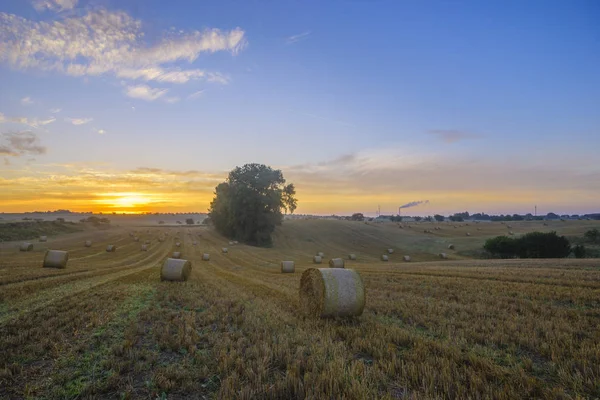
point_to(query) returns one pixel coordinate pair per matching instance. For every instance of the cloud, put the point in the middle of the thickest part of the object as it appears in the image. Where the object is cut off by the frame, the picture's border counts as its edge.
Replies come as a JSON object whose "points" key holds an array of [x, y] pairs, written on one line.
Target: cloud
{"points": [[34, 123], [79, 121], [145, 92], [172, 100], [195, 95], [26, 101], [101, 131], [20, 143], [296, 38], [451, 136], [55, 110], [54, 5], [103, 42]]}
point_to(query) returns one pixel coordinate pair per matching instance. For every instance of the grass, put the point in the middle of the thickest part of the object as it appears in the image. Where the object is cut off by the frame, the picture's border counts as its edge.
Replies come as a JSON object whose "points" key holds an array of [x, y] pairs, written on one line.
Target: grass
{"points": [[32, 230], [106, 327]]}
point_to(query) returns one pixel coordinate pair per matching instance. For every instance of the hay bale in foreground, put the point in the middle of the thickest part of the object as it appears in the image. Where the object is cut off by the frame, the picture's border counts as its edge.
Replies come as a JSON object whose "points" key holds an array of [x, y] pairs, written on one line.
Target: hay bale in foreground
{"points": [[384, 257], [336, 263], [176, 254], [224, 250], [320, 254], [451, 246], [205, 257], [43, 238], [56, 259], [88, 243], [287, 267], [390, 251], [111, 248], [443, 255], [317, 259], [326, 292], [175, 270], [26, 246], [351, 256], [406, 258]]}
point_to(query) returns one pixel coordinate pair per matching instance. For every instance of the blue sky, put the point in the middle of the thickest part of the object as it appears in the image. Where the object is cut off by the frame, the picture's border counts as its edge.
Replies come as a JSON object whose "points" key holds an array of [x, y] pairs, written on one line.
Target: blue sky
{"points": [[360, 103]]}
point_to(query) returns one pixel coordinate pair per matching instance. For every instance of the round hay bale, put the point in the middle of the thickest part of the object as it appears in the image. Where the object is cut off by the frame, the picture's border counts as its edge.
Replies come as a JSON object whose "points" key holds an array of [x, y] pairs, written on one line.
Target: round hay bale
{"points": [[336, 263], [88, 243], [231, 242], [147, 242], [43, 238], [406, 258], [468, 234], [384, 257], [161, 239], [320, 254], [443, 255], [111, 248], [26, 246], [326, 292], [194, 243], [176, 254], [390, 251], [178, 244], [511, 233], [287, 267], [224, 250], [451, 246], [175, 270], [56, 259], [351, 256], [144, 247], [317, 259], [205, 257], [136, 239]]}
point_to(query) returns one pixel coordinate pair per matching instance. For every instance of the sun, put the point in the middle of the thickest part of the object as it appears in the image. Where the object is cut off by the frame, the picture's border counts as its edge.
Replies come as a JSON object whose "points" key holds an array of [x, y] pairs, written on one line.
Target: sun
{"points": [[129, 201]]}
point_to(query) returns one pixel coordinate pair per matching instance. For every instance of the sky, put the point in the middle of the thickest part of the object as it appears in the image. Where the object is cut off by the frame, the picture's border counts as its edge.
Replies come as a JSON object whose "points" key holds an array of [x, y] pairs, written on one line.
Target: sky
{"points": [[145, 105]]}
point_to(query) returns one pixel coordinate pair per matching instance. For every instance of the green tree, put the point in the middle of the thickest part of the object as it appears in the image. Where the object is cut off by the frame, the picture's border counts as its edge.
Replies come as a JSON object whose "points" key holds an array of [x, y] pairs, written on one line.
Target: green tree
{"points": [[592, 235], [248, 206], [543, 245], [438, 217], [502, 247], [579, 251], [189, 221], [357, 217]]}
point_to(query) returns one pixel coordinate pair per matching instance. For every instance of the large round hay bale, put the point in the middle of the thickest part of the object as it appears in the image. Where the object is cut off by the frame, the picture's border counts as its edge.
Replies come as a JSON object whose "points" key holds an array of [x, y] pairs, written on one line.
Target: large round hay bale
{"points": [[320, 254], [161, 239], [205, 257], [176, 254], [351, 256], [468, 234], [390, 251], [144, 247], [111, 248], [43, 238], [384, 257], [26, 246], [136, 239], [451, 246], [175, 270], [178, 244], [56, 259], [317, 259], [287, 267], [88, 243], [406, 258], [443, 255], [224, 250], [336, 263], [327, 292]]}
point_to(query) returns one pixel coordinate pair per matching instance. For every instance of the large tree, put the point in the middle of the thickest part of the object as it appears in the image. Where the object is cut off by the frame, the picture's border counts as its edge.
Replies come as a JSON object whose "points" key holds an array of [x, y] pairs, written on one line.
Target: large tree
{"points": [[249, 205]]}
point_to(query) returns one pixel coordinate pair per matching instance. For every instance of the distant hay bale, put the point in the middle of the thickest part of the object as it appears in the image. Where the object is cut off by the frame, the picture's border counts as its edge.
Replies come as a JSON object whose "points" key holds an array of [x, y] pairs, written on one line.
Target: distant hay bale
{"points": [[175, 270], [336, 263], [451, 246], [468, 234], [326, 292], [390, 251], [320, 254], [88, 243], [384, 257], [406, 258], [26, 246], [351, 256], [176, 254], [287, 267], [178, 244], [231, 243], [136, 239], [443, 255], [56, 259], [508, 226], [147, 242], [144, 247], [194, 243], [43, 238], [224, 250], [235, 242], [317, 259], [511, 233], [205, 257], [131, 234], [111, 248]]}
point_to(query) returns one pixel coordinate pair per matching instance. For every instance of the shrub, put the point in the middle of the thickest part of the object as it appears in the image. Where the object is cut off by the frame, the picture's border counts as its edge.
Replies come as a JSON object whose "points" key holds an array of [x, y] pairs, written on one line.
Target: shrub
{"points": [[579, 251], [531, 245]]}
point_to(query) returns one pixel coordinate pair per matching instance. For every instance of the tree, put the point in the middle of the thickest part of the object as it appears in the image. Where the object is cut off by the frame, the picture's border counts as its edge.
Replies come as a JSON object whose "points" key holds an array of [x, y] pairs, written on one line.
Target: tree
{"points": [[248, 206], [189, 221], [438, 217], [501, 246], [579, 251], [531, 245], [592, 235], [357, 217]]}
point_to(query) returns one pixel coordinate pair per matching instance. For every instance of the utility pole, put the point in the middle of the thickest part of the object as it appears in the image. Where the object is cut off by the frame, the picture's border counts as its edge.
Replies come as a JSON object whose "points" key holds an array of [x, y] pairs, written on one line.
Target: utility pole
{"points": [[535, 212]]}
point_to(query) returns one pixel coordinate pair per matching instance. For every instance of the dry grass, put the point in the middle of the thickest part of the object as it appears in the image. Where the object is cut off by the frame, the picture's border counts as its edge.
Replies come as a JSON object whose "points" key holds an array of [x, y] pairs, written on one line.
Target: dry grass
{"points": [[107, 327]]}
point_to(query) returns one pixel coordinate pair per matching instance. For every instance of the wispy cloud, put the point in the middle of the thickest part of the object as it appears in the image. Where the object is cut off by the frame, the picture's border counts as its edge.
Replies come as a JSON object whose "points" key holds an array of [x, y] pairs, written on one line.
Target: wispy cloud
{"points": [[145, 92], [195, 95], [452, 136], [55, 110], [16, 144], [54, 5], [79, 121], [296, 38], [101, 131], [172, 100], [25, 100], [33, 122]]}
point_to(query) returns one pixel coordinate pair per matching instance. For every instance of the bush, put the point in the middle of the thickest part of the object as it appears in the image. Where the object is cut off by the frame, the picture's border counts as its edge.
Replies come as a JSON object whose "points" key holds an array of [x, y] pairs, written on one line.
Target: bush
{"points": [[531, 245], [579, 251], [502, 247], [592, 235]]}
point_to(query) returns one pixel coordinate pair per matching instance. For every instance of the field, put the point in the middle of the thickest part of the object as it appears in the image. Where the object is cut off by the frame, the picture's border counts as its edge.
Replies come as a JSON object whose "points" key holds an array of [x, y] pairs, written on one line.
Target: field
{"points": [[107, 327]]}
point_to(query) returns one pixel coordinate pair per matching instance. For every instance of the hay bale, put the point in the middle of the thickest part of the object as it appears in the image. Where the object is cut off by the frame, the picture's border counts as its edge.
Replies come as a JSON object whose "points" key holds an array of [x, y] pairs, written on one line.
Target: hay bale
{"points": [[178, 244], [406, 258], [205, 257], [508, 226], [194, 243], [231, 243], [511, 233], [56, 259], [451, 247], [384, 257], [336, 263], [111, 248], [88, 243], [390, 251], [317, 259], [320, 254], [144, 247], [468, 234], [351, 256], [147, 242], [175, 270], [326, 292], [136, 239], [443, 255], [26, 246], [287, 267], [43, 238], [176, 254], [224, 250], [161, 239]]}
